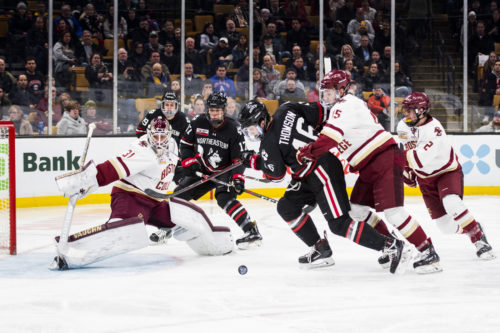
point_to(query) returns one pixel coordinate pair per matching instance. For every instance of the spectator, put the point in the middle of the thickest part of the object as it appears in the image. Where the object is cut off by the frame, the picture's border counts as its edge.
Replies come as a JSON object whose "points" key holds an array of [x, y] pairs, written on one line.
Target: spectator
{"points": [[242, 78], [18, 27], [402, 82], [347, 53], [175, 86], [35, 78], [64, 57], [4, 105], [295, 9], [372, 77], [368, 12], [259, 84], [231, 33], [479, 44], [86, 48], [492, 85], [208, 39], [268, 47], [103, 126], [21, 126], [493, 26], [207, 89], [240, 51], [347, 12], [257, 57], [142, 33], [297, 53], [71, 21], [157, 81], [375, 57], [278, 39], [132, 24], [198, 107], [147, 69], [42, 109], [297, 35], [232, 108], [194, 57], [277, 14], [379, 105], [492, 126], [144, 10], [222, 54], [167, 33], [89, 20], [364, 51], [138, 57], [98, 75], [20, 95], [71, 123], [352, 70], [271, 76], [313, 95], [222, 83], [336, 38], [290, 74], [354, 31], [108, 25], [362, 31], [170, 58], [240, 14], [7, 80], [192, 82], [37, 43], [292, 93], [153, 45]]}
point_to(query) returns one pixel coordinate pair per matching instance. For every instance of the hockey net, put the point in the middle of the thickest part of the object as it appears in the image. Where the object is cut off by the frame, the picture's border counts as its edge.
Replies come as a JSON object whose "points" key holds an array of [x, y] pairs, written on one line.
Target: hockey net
{"points": [[7, 189]]}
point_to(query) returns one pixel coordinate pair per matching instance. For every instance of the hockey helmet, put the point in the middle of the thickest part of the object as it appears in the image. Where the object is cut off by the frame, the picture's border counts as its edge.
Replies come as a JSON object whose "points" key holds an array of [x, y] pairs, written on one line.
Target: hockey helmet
{"points": [[159, 132], [334, 85], [251, 117], [216, 100], [418, 102], [169, 104]]}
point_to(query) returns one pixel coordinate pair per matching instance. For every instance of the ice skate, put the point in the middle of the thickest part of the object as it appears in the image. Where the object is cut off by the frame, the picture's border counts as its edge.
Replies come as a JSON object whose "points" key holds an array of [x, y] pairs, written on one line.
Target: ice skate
{"points": [[58, 264], [484, 249], [397, 255], [427, 261], [251, 238], [161, 236], [319, 256]]}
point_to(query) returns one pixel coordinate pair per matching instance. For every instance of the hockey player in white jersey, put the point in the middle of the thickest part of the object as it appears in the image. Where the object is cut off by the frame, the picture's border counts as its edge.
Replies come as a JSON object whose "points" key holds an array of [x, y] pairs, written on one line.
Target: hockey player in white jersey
{"points": [[433, 164], [149, 163], [372, 151]]}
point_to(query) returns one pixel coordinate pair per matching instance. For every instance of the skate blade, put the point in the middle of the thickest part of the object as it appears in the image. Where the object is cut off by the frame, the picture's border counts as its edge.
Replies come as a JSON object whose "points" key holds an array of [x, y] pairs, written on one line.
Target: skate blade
{"points": [[487, 256], [429, 269], [318, 264], [249, 245], [405, 261]]}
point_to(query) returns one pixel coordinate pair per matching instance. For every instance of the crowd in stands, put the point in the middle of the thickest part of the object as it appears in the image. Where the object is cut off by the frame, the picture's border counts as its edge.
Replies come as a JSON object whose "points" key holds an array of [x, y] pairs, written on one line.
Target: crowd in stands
{"points": [[285, 54]]}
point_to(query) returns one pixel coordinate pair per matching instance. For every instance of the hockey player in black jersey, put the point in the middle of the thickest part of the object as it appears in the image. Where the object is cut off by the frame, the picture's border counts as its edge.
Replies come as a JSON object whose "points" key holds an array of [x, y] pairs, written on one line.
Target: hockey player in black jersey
{"points": [[322, 182], [211, 143]]}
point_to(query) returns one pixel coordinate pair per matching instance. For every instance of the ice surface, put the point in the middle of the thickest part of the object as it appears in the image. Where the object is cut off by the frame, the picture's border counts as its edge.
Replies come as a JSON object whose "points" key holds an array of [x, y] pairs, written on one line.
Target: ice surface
{"points": [[170, 289]]}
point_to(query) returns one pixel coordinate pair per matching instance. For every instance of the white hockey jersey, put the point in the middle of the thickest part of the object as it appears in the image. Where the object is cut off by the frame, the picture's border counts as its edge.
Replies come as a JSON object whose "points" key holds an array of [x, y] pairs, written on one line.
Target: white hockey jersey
{"points": [[428, 150], [139, 168], [357, 132]]}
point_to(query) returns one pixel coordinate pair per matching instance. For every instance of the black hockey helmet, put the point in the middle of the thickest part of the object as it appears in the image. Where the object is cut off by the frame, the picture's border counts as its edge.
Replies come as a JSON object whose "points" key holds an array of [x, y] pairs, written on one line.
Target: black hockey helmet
{"points": [[216, 100], [251, 117], [172, 97]]}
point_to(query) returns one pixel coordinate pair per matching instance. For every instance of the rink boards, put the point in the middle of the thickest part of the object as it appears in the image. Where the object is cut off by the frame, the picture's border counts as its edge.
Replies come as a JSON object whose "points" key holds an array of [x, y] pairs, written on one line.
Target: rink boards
{"points": [[39, 160]]}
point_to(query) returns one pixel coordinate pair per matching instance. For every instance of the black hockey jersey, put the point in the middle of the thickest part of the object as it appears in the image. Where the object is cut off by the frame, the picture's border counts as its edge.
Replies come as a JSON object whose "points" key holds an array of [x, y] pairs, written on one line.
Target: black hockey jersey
{"points": [[215, 148], [313, 113], [179, 124], [290, 128]]}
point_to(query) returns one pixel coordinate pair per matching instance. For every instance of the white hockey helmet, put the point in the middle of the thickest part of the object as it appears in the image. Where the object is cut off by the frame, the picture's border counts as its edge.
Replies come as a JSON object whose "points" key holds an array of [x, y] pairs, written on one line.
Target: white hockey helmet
{"points": [[159, 132]]}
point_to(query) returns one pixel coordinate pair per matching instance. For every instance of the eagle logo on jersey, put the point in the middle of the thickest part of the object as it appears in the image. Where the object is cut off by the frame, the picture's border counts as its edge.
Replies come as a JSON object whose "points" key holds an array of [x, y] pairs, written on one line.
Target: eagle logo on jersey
{"points": [[214, 159], [438, 131]]}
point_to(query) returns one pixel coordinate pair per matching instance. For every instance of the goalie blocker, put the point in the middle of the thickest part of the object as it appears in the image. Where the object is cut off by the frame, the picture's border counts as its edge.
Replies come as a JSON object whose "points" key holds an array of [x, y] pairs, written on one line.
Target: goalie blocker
{"points": [[192, 225]]}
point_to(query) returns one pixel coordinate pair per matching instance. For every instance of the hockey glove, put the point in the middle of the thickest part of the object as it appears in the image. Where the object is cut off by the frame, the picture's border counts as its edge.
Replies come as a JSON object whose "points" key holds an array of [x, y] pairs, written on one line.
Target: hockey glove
{"points": [[409, 177], [304, 154], [80, 182], [249, 158], [239, 185], [194, 170]]}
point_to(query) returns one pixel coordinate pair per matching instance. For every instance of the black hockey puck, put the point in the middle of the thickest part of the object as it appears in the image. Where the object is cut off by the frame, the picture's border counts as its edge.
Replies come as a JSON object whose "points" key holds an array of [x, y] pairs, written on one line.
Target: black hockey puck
{"points": [[242, 269]]}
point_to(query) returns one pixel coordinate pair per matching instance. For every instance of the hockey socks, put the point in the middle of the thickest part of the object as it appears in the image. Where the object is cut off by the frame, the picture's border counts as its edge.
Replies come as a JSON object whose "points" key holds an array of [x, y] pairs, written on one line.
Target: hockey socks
{"points": [[303, 226], [378, 224], [359, 232]]}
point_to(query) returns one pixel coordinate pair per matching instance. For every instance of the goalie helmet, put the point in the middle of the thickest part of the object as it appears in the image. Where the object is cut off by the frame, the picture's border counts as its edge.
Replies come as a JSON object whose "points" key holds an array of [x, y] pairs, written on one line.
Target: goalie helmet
{"points": [[169, 104], [216, 100], [334, 85], [418, 102], [251, 117], [159, 133]]}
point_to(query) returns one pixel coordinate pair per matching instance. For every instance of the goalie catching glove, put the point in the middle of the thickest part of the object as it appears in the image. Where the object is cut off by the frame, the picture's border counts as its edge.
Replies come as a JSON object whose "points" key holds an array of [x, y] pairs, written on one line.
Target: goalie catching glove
{"points": [[80, 182]]}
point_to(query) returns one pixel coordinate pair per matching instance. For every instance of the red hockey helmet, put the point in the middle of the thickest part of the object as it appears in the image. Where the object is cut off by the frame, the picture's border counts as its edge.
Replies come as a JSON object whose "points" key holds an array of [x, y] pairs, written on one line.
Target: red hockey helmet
{"points": [[418, 102], [333, 86]]}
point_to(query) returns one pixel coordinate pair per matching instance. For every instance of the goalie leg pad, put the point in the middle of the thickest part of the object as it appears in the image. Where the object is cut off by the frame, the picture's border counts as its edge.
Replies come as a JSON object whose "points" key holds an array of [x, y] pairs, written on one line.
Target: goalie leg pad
{"points": [[104, 241], [195, 228]]}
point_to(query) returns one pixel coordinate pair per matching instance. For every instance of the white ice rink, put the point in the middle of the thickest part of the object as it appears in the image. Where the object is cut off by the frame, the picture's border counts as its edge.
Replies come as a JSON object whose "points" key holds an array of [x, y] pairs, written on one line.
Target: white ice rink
{"points": [[170, 289]]}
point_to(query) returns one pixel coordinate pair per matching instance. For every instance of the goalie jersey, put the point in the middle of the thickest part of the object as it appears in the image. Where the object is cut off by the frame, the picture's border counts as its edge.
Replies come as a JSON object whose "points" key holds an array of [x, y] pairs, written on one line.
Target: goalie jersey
{"points": [[139, 168], [356, 131], [428, 151]]}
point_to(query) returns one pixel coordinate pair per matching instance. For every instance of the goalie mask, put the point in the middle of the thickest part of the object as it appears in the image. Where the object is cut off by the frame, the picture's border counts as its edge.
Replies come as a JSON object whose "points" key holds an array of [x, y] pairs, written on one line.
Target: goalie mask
{"points": [[169, 104], [251, 117], [417, 102], [216, 107], [159, 133], [334, 86]]}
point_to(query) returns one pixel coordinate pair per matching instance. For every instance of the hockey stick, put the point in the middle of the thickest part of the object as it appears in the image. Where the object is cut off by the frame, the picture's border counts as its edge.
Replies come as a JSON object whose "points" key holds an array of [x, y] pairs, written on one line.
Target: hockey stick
{"points": [[158, 195], [218, 181], [68, 217], [262, 180]]}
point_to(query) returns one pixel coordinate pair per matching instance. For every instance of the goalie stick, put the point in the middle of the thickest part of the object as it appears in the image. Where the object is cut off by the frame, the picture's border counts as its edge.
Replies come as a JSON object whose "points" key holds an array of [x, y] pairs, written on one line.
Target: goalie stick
{"points": [[68, 217], [158, 195]]}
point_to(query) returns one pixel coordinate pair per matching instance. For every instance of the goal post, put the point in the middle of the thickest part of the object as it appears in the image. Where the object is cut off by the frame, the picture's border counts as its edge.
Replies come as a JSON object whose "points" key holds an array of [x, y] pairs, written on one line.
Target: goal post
{"points": [[7, 188]]}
